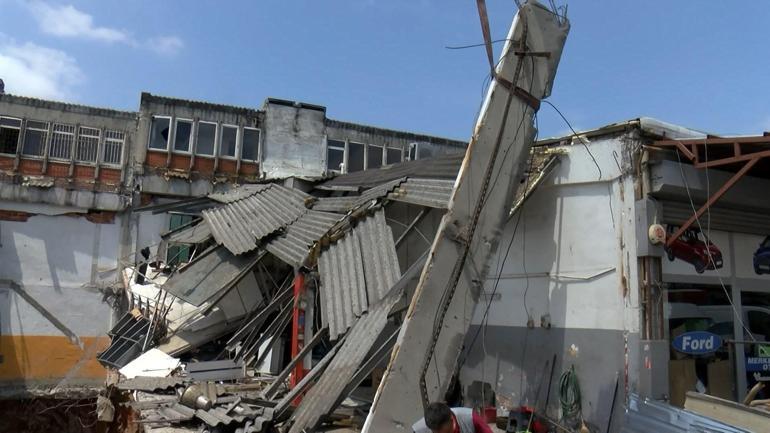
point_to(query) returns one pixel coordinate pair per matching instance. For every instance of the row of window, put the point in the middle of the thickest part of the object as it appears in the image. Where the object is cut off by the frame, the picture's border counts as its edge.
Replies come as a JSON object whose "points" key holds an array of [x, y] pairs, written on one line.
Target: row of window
{"points": [[350, 156], [64, 142], [211, 138]]}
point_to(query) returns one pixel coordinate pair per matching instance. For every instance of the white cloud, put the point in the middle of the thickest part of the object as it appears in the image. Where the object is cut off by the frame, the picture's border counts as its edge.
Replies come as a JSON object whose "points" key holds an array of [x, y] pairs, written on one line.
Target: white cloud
{"points": [[32, 70], [66, 21], [168, 45]]}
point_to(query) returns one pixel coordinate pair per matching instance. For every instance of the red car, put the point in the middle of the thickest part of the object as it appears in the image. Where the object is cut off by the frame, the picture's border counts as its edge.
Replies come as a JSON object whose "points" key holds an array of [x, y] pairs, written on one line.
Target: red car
{"points": [[695, 248]]}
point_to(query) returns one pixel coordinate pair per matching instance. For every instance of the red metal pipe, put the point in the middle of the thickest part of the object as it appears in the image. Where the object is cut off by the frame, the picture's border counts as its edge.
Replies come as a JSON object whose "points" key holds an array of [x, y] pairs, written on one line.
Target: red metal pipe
{"points": [[298, 330]]}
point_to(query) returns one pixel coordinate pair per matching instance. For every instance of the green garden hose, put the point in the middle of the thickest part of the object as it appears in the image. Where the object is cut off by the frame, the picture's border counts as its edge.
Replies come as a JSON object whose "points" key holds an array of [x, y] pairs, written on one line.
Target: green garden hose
{"points": [[569, 395]]}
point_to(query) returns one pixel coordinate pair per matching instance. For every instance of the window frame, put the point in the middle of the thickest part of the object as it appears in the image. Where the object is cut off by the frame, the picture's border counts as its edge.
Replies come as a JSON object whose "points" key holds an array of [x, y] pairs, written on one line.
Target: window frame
{"points": [[72, 134], [347, 156], [214, 147], [237, 141], [399, 149], [149, 133], [106, 139], [77, 145], [19, 138], [344, 149], [42, 144], [172, 146], [243, 143], [382, 156]]}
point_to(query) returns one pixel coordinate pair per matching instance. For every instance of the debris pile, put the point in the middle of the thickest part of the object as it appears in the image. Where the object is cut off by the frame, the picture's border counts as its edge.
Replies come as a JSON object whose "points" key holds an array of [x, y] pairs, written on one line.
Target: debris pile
{"points": [[271, 305]]}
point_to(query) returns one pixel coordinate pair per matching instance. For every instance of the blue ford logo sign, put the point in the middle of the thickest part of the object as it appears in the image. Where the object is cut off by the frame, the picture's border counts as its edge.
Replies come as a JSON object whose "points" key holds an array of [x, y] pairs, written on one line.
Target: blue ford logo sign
{"points": [[697, 342]]}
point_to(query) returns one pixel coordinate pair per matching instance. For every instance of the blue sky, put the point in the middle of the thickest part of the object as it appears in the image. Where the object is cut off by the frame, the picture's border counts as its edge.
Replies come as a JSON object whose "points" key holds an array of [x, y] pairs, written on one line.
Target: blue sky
{"points": [[702, 64]]}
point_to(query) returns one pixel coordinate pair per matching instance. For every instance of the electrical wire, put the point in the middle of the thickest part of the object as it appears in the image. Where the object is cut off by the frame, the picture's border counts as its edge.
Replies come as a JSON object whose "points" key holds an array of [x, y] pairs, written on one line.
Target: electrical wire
{"points": [[482, 44], [599, 169]]}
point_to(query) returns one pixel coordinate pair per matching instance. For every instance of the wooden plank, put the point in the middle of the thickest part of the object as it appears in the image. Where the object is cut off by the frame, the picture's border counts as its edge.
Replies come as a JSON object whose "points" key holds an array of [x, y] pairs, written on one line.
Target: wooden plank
{"points": [[728, 412]]}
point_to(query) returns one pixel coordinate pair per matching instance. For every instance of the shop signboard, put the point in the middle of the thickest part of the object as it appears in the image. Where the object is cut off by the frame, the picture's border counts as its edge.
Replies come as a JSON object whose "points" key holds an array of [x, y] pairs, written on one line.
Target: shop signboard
{"points": [[697, 342]]}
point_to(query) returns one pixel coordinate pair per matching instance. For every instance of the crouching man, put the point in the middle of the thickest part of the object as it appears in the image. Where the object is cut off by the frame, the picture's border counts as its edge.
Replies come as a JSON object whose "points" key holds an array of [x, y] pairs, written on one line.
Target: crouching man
{"points": [[439, 418]]}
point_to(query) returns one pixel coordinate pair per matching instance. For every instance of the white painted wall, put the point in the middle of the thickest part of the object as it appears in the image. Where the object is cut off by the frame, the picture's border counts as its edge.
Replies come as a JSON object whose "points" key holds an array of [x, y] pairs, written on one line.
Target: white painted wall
{"points": [[570, 248]]}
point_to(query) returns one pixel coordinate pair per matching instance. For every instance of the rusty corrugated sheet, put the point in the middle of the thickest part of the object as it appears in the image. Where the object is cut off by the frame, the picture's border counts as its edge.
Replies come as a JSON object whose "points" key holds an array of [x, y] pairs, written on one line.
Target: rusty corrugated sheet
{"points": [[293, 245], [241, 223], [424, 192], [356, 271]]}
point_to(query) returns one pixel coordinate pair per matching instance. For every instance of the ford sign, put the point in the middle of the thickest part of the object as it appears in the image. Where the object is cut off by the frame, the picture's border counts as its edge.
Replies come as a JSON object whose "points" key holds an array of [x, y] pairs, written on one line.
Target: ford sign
{"points": [[697, 342]]}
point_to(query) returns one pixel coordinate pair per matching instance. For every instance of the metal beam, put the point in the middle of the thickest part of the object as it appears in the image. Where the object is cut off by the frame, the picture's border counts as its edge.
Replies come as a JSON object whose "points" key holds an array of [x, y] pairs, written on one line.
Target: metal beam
{"points": [[271, 390], [711, 200]]}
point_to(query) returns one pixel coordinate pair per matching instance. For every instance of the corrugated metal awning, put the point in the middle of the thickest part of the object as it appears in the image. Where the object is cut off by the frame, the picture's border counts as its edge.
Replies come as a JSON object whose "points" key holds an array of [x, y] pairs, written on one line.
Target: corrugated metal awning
{"points": [[356, 272], [243, 221], [216, 269]]}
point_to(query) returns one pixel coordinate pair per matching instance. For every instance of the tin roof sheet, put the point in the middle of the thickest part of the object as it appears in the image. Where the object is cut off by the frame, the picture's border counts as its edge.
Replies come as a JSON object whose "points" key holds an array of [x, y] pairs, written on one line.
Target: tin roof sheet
{"points": [[424, 192], [322, 397], [292, 246], [357, 271], [213, 271], [441, 167], [243, 221]]}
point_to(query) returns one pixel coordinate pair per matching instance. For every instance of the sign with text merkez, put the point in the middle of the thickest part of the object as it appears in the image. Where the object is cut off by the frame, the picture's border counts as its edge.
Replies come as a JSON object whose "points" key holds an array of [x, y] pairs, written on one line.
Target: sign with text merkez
{"points": [[697, 342]]}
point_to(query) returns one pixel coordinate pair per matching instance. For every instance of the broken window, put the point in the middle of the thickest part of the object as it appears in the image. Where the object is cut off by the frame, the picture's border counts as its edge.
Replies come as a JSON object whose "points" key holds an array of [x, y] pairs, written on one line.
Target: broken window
{"points": [[335, 156], [10, 130], [373, 156], [35, 134], [355, 157], [229, 140], [113, 147], [394, 155], [159, 132], [207, 135], [61, 141], [183, 135], [88, 144], [250, 147]]}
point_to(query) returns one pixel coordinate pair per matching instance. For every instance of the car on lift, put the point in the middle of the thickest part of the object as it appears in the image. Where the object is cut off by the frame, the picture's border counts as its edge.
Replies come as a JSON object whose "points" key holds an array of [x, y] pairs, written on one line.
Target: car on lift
{"points": [[762, 257], [695, 248]]}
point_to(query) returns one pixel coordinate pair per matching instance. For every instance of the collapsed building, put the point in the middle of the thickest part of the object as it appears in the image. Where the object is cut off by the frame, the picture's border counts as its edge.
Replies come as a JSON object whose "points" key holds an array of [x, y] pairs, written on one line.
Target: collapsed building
{"points": [[251, 268]]}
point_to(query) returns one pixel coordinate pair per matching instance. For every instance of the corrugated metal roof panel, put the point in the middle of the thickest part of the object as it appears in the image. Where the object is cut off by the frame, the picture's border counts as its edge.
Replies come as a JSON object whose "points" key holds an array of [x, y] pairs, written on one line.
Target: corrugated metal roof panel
{"points": [[379, 257], [239, 193], [215, 270], [441, 167], [344, 204], [425, 192], [191, 235], [335, 204], [241, 223], [343, 290], [356, 271], [293, 245], [323, 395]]}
